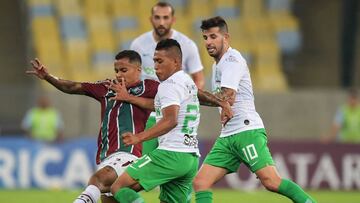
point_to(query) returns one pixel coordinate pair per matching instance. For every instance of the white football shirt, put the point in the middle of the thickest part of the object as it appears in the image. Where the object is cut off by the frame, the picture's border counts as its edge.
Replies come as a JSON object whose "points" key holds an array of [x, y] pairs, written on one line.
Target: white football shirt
{"points": [[179, 89], [145, 45], [232, 72]]}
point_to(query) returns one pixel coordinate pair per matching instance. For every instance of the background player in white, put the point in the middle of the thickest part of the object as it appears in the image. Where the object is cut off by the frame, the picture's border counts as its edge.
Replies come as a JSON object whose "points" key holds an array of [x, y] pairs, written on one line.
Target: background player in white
{"points": [[162, 18], [243, 139]]}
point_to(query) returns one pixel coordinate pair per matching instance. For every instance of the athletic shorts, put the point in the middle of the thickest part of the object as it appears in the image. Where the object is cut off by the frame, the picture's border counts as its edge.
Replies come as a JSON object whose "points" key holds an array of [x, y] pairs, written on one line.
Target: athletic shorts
{"points": [[248, 147], [173, 171], [150, 145], [118, 161]]}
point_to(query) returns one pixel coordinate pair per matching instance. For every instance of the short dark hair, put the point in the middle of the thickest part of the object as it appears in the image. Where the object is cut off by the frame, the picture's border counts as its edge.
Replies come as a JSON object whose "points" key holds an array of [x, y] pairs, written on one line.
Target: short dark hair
{"points": [[163, 4], [167, 44], [214, 22], [132, 55]]}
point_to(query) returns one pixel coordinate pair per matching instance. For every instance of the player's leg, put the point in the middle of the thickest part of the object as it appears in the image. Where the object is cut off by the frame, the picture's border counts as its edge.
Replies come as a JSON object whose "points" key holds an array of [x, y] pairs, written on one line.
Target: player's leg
{"points": [[253, 150], [108, 171], [123, 189], [179, 188], [217, 164], [143, 172], [108, 199], [150, 145], [206, 177], [98, 183], [271, 180]]}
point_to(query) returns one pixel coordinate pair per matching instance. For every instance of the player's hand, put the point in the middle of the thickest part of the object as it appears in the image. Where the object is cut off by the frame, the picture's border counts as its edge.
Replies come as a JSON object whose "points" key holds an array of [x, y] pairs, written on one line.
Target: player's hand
{"points": [[122, 93], [38, 69], [226, 113], [130, 139]]}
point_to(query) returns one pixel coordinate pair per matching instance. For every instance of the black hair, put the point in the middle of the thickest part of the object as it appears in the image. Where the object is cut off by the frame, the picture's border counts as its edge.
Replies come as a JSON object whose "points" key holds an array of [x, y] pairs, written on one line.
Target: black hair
{"points": [[214, 22], [132, 55], [167, 44], [163, 4]]}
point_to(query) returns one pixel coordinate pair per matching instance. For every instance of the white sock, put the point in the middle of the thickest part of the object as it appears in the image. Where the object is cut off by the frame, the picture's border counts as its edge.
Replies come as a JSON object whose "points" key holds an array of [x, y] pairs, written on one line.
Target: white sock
{"points": [[90, 195]]}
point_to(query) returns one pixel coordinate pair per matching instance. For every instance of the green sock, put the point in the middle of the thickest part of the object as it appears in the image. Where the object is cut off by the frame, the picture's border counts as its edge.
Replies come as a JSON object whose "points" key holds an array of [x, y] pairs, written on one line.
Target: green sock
{"points": [[203, 197], [127, 195], [294, 192]]}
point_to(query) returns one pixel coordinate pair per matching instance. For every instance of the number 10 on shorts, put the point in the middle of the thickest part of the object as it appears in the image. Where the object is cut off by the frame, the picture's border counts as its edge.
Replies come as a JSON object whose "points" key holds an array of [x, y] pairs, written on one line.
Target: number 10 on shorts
{"points": [[250, 152]]}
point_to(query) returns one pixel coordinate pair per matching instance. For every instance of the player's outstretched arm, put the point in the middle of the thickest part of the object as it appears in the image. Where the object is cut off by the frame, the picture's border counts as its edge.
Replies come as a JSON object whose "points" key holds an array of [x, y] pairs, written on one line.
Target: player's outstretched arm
{"points": [[164, 125], [67, 86], [122, 94]]}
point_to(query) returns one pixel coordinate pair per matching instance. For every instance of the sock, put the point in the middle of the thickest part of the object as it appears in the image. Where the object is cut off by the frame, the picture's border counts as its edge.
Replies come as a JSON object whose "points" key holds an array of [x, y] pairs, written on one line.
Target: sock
{"points": [[294, 192], [91, 194], [127, 195], [203, 197]]}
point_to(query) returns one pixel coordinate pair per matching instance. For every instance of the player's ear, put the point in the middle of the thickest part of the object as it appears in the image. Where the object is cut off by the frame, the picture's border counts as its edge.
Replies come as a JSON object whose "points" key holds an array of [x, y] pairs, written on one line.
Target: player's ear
{"points": [[227, 35], [173, 19]]}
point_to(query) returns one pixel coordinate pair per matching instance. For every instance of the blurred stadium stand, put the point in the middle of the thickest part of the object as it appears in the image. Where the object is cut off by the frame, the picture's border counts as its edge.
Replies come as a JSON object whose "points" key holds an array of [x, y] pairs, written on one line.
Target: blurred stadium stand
{"points": [[84, 35], [78, 39]]}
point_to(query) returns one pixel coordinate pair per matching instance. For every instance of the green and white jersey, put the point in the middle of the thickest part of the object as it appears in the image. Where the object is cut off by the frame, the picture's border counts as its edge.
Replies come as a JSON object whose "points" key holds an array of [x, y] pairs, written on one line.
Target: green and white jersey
{"points": [[145, 45], [232, 72], [179, 89]]}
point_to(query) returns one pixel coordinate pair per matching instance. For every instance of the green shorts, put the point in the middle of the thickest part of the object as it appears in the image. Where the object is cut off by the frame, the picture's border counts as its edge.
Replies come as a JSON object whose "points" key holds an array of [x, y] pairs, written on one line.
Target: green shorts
{"points": [[248, 147], [150, 145], [173, 171]]}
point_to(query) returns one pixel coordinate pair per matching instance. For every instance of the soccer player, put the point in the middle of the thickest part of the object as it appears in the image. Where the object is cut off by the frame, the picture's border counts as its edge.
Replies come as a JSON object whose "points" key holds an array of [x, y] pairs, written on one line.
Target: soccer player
{"points": [[162, 18], [116, 118], [174, 163], [243, 139]]}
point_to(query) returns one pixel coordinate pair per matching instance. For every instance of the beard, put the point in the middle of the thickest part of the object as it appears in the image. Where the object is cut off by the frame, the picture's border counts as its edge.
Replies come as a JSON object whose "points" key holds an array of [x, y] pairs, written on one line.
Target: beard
{"points": [[162, 31]]}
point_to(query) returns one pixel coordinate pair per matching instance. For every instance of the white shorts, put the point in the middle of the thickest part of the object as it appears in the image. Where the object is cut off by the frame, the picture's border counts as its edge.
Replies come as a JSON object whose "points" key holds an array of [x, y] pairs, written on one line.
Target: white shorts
{"points": [[118, 161]]}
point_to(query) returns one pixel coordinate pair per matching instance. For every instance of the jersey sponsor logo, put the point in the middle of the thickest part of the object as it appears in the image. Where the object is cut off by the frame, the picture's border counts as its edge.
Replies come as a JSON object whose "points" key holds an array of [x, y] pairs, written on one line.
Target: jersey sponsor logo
{"points": [[149, 70], [190, 141], [145, 55], [231, 59]]}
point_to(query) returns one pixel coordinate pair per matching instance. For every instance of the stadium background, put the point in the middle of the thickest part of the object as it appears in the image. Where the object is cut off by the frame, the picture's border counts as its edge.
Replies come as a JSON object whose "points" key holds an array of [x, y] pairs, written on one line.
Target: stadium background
{"points": [[302, 54]]}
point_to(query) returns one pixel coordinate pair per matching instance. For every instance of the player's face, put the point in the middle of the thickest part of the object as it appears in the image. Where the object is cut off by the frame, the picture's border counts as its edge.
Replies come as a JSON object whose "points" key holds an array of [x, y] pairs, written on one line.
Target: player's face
{"points": [[164, 65], [215, 41], [162, 20], [130, 72]]}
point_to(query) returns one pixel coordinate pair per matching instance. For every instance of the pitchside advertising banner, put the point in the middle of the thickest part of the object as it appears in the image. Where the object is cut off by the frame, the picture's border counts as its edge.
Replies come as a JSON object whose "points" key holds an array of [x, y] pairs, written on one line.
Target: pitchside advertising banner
{"points": [[26, 163]]}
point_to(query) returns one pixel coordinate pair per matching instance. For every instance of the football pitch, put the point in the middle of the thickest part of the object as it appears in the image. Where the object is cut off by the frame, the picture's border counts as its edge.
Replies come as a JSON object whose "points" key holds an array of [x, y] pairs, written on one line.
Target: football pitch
{"points": [[54, 196]]}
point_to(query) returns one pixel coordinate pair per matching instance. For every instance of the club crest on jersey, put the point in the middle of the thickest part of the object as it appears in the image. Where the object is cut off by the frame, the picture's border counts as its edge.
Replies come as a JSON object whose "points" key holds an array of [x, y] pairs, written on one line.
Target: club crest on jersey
{"points": [[110, 93], [137, 90]]}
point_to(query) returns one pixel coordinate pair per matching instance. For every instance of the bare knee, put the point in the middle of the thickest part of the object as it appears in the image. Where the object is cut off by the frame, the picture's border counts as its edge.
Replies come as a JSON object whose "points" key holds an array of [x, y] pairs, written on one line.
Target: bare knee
{"points": [[96, 180], [271, 184], [103, 179], [201, 184]]}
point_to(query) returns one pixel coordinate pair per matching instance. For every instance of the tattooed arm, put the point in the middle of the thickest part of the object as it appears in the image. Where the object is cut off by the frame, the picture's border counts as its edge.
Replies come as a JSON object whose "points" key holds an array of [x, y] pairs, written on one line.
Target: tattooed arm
{"points": [[208, 99], [227, 94]]}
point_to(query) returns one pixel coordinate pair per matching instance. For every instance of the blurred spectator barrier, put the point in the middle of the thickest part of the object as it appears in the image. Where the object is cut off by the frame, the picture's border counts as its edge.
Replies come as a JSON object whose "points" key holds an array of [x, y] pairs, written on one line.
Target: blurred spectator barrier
{"points": [[26, 163], [311, 165]]}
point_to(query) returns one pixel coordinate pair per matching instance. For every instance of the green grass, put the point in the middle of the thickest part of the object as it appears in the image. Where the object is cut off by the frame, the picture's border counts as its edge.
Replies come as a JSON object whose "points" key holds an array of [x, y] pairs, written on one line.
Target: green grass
{"points": [[227, 196]]}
